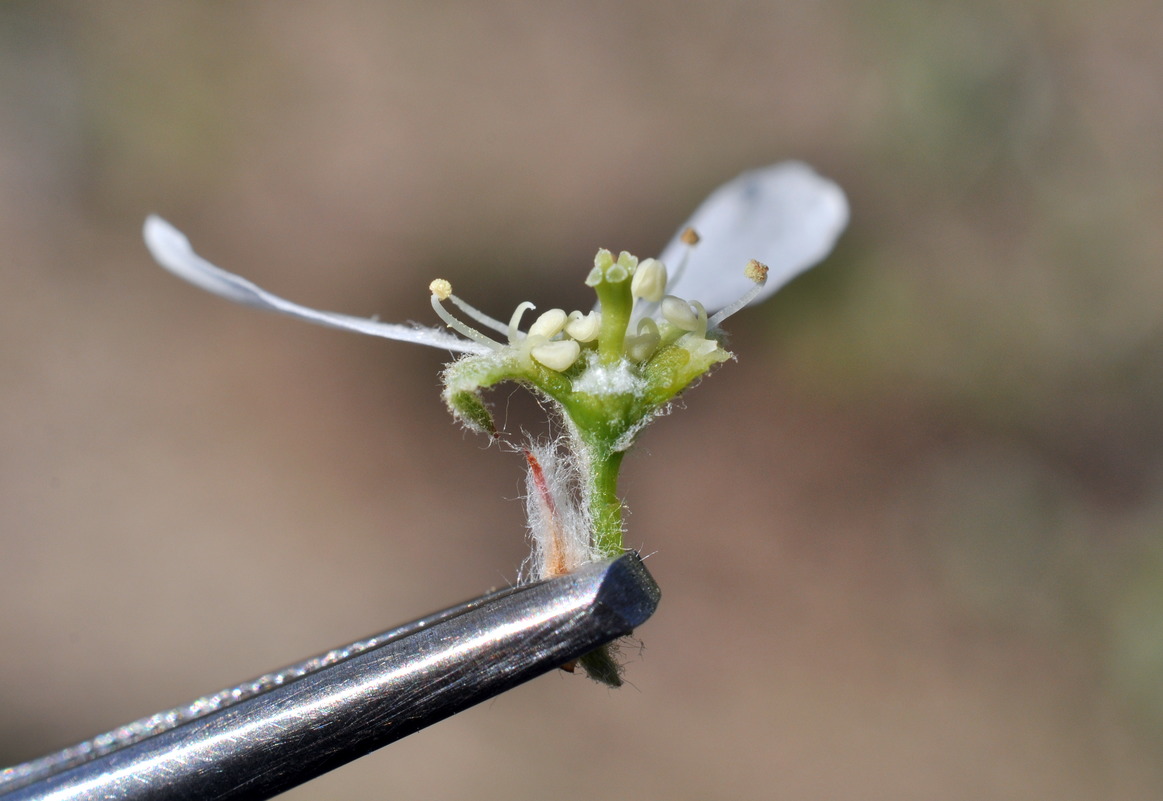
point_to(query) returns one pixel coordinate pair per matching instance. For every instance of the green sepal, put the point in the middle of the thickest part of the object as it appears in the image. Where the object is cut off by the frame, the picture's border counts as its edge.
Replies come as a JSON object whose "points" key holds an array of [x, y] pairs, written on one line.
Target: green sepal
{"points": [[469, 408], [673, 368], [601, 666]]}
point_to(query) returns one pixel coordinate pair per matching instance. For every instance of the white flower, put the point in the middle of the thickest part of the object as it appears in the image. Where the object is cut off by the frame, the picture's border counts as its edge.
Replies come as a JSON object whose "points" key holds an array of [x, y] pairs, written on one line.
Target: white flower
{"points": [[607, 371], [785, 216]]}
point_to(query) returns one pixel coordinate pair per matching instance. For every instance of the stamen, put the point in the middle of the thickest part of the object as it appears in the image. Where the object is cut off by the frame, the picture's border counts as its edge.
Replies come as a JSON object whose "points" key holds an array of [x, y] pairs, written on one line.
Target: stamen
{"points": [[584, 327], [548, 324], [757, 272], [649, 281], [690, 238], [515, 320], [678, 312], [641, 346], [688, 321], [559, 355], [478, 315], [702, 312], [442, 290]]}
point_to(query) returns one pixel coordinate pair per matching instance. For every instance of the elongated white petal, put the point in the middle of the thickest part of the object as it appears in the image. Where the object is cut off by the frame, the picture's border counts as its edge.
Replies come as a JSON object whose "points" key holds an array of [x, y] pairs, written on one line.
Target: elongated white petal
{"points": [[172, 250], [785, 215]]}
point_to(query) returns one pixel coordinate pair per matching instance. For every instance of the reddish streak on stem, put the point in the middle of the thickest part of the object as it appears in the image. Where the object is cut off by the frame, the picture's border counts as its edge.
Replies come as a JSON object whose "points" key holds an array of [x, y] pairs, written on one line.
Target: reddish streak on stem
{"points": [[555, 558]]}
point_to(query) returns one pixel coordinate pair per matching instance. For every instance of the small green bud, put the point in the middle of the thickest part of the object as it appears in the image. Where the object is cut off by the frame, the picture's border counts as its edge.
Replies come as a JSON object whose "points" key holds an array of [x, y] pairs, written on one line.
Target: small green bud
{"points": [[472, 412]]}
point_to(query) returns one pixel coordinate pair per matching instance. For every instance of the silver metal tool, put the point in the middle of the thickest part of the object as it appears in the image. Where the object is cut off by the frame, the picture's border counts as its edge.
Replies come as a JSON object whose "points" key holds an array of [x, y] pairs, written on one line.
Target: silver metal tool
{"points": [[266, 736]]}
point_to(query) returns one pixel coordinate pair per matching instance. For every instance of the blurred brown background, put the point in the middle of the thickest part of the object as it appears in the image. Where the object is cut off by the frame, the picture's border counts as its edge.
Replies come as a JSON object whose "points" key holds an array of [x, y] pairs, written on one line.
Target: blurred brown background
{"points": [[909, 543]]}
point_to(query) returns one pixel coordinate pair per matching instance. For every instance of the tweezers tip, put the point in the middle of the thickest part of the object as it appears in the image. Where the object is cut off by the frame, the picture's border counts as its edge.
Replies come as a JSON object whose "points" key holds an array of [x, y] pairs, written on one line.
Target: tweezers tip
{"points": [[622, 589]]}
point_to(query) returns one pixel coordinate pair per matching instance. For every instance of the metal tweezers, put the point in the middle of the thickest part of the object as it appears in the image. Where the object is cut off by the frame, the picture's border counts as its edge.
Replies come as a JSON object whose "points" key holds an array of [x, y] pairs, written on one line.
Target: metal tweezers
{"points": [[282, 729]]}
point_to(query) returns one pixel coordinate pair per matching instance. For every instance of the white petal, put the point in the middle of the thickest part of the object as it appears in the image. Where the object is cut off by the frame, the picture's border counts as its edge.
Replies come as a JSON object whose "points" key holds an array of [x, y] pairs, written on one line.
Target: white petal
{"points": [[785, 216], [172, 250]]}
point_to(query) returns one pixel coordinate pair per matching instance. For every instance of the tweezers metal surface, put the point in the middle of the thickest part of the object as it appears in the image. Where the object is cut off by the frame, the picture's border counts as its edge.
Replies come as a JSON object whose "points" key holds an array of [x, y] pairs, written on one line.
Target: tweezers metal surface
{"points": [[282, 729]]}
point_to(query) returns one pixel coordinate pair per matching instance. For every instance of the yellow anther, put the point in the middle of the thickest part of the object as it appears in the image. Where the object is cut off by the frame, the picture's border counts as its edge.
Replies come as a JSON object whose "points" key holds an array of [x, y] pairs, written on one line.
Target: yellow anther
{"points": [[756, 271]]}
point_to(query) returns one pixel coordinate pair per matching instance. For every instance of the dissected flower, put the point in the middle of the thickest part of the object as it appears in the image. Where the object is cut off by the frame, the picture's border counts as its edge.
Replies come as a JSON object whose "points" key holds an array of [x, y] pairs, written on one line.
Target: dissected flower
{"points": [[608, 370]]}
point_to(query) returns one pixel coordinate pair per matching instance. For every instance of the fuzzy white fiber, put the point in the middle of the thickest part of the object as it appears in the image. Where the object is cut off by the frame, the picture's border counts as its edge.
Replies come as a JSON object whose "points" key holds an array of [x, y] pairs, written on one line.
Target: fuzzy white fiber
{"points": [[560, 526]]}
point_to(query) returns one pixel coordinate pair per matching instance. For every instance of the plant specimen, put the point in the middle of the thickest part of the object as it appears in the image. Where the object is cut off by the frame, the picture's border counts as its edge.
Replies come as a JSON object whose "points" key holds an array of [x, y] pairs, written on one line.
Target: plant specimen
{"points": [[606, 371]]}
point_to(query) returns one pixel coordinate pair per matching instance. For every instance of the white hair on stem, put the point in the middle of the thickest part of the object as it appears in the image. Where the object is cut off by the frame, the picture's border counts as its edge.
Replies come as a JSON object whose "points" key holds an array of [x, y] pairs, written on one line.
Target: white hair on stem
{"points": [[560, 526]]}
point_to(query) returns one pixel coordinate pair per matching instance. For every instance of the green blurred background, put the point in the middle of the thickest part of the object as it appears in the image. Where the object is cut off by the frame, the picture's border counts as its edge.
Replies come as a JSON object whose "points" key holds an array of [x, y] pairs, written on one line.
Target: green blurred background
{"points": [[910, 543]]}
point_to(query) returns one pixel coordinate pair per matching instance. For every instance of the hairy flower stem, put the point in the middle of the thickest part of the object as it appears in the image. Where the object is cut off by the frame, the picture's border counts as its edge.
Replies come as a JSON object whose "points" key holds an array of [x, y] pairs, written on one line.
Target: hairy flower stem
{"points": [[601, 478], [605, 505]]}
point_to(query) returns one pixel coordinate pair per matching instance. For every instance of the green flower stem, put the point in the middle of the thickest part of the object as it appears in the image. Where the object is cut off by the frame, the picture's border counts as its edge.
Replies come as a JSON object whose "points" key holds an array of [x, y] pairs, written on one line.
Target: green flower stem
{"points": [[606, 509], [598, 425], [605, 505]]}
